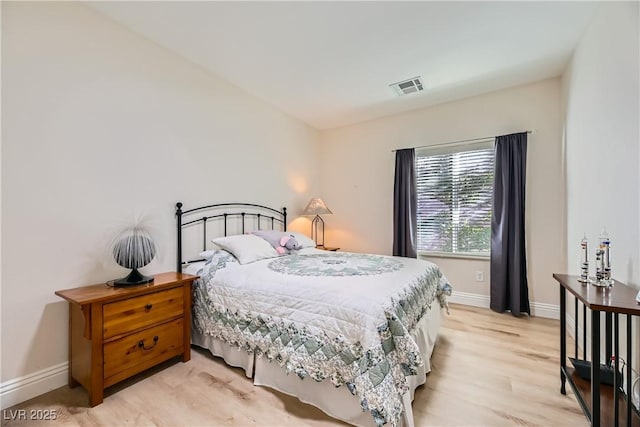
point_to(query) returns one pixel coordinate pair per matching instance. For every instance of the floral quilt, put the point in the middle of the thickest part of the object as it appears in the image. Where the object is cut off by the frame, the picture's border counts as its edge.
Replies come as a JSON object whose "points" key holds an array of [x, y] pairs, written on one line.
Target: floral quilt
{"points": [[333, 316]]}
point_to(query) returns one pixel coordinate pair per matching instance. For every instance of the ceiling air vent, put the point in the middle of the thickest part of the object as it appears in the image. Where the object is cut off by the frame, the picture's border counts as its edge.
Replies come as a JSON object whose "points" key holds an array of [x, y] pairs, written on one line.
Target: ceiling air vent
{"points": [[408, 86]]}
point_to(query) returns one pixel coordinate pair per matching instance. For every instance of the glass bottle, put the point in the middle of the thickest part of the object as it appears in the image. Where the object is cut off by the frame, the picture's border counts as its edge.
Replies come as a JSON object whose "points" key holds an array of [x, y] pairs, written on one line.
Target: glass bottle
{"points": [[605, 244], [584, 259]]}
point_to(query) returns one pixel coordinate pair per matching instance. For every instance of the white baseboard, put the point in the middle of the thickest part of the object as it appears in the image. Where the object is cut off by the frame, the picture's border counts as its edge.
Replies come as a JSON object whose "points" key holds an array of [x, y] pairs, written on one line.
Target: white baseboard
{"points": [[548, 311], [538, 309], [29, 386], [465, 298]]}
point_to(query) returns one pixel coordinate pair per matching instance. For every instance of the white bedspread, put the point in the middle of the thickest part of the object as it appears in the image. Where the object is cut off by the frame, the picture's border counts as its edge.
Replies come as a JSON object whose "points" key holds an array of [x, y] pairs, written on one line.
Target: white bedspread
{"points": [[338, 316]]}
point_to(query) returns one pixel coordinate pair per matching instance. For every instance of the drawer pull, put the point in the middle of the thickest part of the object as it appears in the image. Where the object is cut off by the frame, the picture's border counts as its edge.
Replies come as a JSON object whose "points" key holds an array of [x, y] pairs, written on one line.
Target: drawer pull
{"points": [[148, 306], [155, 342]]}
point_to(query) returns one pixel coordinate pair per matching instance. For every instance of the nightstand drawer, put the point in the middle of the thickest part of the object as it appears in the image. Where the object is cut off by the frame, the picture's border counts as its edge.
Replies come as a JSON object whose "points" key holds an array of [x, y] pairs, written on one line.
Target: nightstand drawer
{"points": [[137, 352], [134, 313]]}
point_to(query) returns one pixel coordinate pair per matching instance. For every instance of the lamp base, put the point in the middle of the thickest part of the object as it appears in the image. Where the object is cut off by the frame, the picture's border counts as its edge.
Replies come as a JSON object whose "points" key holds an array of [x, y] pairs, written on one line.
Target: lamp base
{"points": [[134, 278], [314, 231]]}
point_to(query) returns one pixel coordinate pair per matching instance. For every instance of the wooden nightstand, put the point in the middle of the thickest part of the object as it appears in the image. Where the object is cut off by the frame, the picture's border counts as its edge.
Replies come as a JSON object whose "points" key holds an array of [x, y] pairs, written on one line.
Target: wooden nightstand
{"points": [[115, 333], [328, 248]]}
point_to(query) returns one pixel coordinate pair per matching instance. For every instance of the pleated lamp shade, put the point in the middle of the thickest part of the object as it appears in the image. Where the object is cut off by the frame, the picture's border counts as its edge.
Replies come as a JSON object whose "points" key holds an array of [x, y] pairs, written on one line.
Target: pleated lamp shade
{"points": [[316, 207], [134, 249]]}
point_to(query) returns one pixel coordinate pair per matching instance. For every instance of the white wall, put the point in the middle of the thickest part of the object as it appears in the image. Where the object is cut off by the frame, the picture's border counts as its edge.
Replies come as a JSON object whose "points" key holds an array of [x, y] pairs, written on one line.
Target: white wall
{"points": [[101, 127], [601, 97], [358, 166]]}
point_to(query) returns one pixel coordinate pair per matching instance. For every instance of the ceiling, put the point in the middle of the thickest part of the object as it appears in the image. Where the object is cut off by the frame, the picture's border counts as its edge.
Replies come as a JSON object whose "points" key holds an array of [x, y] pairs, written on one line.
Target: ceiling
{"points": [[330, 63]]}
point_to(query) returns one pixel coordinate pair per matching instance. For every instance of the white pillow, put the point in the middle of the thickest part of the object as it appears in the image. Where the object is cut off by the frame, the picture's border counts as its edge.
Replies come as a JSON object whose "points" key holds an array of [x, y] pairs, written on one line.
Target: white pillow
{"points": [[247, 247], [208, 254], [304, 241]]}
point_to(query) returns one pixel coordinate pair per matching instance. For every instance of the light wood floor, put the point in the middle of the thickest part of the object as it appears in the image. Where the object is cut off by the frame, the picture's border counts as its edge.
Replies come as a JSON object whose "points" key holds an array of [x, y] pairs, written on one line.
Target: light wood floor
{"points": [[489, 369]]}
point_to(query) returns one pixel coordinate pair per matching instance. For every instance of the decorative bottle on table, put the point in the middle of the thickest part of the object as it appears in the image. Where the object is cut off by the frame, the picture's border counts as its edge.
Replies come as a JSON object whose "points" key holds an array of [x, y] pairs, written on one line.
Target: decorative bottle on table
{"points": [[603, 261], [584, 256], [605, 245]]}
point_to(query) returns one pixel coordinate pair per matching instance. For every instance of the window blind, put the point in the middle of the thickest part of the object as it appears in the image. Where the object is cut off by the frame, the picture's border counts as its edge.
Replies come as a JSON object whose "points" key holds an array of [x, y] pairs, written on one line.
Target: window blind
{"points": [[455, 192]]}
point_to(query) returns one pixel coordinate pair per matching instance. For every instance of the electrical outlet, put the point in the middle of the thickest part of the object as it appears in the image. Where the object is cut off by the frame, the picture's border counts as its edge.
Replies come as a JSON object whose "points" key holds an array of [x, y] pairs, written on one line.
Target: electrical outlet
{"points": [[479, 276]]}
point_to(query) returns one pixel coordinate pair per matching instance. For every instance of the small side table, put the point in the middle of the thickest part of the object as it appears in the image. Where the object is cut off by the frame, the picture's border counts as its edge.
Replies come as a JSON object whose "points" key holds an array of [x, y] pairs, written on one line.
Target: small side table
{"points": [[115, 333], [328, 248]]}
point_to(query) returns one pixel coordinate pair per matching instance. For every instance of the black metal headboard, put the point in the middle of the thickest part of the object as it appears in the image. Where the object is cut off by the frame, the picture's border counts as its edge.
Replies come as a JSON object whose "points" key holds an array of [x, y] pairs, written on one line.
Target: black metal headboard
{"points": [[225, 212]]}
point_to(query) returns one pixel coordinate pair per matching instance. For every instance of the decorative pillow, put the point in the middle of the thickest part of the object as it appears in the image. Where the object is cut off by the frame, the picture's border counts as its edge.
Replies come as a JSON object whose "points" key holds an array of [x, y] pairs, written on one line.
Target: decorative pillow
{"points": [[271, 236], [303, 240], [246, 247], [281, 241]]}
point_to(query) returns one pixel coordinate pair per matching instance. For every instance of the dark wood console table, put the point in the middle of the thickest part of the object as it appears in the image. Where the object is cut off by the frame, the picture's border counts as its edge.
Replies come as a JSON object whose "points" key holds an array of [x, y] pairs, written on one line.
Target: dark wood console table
{"points": [[604, 405]]}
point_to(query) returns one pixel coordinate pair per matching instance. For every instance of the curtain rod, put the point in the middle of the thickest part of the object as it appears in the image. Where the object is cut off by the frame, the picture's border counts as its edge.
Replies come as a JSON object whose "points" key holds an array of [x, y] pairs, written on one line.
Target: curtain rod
{"points": [[454, 142]]}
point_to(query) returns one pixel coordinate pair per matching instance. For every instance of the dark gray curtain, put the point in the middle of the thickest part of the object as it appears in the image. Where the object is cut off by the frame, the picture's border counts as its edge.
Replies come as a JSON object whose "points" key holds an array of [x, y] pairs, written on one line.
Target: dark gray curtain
{"points": [[509, 288], [405, 205]]}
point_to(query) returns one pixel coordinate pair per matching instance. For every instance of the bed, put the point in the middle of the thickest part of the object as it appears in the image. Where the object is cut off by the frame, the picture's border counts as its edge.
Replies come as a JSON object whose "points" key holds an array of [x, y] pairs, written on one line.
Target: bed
{"points": [[351, 334]]}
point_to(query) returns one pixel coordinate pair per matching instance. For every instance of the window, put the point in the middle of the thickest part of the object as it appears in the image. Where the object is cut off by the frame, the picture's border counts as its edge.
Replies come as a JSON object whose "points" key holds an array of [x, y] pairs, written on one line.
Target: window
{"points": [[455, 192]]}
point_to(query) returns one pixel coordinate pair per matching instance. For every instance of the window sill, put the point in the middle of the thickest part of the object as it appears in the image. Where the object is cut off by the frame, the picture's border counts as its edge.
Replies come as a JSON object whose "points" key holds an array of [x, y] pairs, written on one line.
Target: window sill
{"points": [[453, 256]]}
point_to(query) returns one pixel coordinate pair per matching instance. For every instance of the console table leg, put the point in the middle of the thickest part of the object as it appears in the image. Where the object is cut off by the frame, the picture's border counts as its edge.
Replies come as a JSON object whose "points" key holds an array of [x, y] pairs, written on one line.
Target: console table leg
{"points": [[595, 368], [563, 338], [608, 338], [616, 369], [629, 361]]}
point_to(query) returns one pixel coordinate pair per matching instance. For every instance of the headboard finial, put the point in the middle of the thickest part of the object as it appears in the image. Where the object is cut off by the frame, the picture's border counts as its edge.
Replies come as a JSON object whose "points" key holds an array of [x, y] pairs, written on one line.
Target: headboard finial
{"points": [[179, 246], [284, 218]]}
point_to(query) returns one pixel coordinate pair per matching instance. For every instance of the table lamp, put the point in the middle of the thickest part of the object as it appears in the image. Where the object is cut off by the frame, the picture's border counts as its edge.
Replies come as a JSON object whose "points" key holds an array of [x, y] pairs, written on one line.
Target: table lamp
{"points": [[133, 249], [317, 207]]}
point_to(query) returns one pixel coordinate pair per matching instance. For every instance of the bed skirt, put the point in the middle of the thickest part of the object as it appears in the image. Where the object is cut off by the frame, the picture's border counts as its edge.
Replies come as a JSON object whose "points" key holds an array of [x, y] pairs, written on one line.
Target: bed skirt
{"points": [[336, 402]]}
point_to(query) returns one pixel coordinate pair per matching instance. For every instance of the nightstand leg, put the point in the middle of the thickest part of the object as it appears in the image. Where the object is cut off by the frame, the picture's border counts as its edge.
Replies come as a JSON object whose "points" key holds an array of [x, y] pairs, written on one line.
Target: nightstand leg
{"points": [[186, 334], [96, 396], [72, 382], [96, 391]]}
